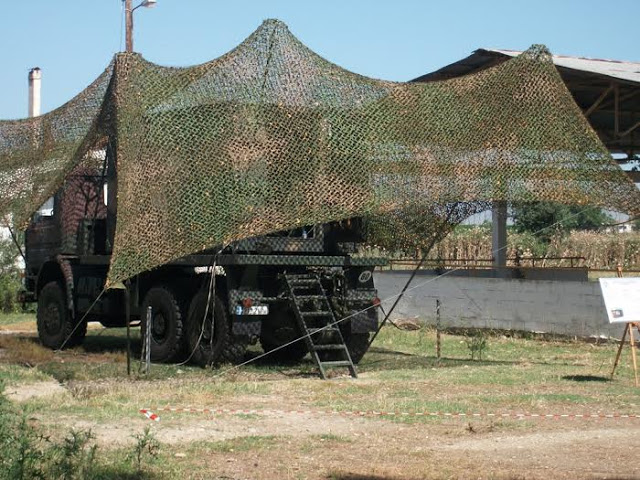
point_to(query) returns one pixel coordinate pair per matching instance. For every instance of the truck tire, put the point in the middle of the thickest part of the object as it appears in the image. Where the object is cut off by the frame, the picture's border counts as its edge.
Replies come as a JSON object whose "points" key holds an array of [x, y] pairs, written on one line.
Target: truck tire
{"points": [[292, 353], [234, 351], [279, 329], [55, 324], [166, 327], [205, 348], [357, 344]]}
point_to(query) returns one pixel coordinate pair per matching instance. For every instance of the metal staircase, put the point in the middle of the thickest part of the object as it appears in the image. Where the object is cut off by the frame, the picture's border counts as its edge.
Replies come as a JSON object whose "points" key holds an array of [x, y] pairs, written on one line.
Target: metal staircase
{"points": [[317, 323]]}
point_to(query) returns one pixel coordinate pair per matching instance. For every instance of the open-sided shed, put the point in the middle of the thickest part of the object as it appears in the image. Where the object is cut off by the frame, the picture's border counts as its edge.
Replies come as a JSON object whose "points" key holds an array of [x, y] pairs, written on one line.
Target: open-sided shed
{"points": [[607, 91]]}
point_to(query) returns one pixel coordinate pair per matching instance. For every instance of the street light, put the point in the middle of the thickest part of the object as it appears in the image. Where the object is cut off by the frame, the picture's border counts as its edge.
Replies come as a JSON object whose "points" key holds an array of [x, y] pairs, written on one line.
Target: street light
{"points": [[128, 12]]}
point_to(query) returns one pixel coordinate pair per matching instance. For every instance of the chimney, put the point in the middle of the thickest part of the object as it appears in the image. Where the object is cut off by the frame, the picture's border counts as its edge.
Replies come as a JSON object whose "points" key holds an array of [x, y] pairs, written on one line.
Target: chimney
{"points": [[35, 80]]}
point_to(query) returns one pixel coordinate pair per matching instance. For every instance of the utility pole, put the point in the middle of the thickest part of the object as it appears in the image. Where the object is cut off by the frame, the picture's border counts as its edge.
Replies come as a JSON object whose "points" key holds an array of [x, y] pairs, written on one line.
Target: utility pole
{"points": [[128, 19]]}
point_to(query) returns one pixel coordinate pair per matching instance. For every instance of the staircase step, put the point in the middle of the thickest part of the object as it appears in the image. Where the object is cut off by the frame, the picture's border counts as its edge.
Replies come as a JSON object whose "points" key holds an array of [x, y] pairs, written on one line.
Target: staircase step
{"points": [[310, 297], [337, 363], [304, 286], [311, 288], [305, 279], [313, 331], [321, 313], [335, 346]]}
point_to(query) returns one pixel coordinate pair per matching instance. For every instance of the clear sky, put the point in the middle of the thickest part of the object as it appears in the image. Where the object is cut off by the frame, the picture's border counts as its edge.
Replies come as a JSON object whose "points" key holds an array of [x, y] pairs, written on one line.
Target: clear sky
{"points": [[72, 41]]}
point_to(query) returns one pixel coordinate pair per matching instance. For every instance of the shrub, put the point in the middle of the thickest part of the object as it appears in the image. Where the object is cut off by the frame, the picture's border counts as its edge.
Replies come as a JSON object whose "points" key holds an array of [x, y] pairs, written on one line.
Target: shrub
{"points": [[26, 454], [477, 344], [10, 282], [146, 447], [547, 219], [22, 451]]}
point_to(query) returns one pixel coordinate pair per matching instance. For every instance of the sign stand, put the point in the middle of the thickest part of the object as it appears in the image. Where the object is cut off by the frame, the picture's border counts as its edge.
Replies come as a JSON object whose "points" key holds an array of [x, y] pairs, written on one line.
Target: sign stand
{"points": [[620, 297], [628, 329]]}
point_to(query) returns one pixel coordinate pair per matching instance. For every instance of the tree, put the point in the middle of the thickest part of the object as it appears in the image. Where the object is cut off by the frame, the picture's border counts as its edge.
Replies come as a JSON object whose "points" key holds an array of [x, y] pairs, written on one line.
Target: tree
{"points": [[544, 219], [9, 276]]}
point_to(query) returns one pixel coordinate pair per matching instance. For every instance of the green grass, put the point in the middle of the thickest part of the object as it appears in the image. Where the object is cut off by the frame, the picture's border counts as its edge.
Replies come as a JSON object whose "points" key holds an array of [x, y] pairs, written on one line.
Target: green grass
{"points": [[23, 322], [13, 318], [400, 373], [238, 444], [17, 374]]}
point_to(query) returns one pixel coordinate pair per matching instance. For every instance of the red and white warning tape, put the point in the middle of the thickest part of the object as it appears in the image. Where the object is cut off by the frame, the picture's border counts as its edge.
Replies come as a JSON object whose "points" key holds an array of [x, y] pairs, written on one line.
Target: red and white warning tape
{"points": [[150, 415], [374, 413]]}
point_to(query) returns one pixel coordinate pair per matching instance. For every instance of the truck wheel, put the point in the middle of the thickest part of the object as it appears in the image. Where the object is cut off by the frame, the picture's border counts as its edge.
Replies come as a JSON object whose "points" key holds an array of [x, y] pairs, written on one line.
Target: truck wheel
{"points": [[209, 345], [279, 329], [234, 351], [55, 324], [166, 326], [291, 353]]}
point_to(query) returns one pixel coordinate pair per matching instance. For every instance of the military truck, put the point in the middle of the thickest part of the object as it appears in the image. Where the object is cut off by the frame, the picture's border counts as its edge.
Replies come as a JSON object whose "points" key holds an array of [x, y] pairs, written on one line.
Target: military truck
{"points": [[207, 307]]}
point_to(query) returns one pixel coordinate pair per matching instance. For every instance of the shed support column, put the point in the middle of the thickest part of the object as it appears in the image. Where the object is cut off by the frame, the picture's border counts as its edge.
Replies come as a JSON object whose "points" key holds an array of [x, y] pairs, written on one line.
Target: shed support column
{"points": [[499, 234]]}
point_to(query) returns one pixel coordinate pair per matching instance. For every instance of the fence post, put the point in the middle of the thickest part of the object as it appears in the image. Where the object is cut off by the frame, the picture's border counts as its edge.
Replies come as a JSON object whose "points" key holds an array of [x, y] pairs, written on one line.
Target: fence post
{"points": [[147, 341], [438, 346], [127, 313]]}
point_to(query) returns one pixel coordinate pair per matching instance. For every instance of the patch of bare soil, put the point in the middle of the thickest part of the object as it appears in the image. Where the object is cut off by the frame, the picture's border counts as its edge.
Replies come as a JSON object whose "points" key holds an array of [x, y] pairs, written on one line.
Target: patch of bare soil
{"points": [[385, 451], [321, 446], [179, 429], [6, 331], [21, 393], [571, 450]]}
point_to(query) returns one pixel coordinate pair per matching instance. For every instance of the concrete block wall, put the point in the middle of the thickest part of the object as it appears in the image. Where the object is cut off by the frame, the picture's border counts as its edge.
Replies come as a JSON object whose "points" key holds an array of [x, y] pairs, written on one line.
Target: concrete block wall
{"points": [[550, 306]]}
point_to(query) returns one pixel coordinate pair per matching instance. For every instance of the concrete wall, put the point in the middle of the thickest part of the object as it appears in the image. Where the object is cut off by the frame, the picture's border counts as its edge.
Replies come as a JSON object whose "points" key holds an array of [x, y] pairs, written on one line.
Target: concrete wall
{"points": [[562, 307]]}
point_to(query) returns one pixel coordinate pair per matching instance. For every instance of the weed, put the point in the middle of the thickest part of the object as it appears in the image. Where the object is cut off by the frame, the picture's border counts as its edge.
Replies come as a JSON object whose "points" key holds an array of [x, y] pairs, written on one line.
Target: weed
{"points": [[74, 457], [23, 454], [147, 446], [477, 344]]}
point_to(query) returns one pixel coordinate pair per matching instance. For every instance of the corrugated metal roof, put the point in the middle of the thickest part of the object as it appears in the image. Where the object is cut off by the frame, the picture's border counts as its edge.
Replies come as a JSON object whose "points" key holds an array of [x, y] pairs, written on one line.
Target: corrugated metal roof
{"points": [[629, 71]]}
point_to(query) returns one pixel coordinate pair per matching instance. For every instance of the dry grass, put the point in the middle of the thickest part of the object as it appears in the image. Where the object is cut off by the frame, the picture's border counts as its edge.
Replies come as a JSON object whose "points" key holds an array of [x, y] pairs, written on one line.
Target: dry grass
{"points": [[24, 351], [601, 250], [400, 373], [17, 322]]}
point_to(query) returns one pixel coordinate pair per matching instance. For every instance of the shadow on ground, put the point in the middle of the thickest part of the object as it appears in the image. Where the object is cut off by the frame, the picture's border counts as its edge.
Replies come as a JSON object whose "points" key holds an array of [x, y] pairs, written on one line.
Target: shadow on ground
{"points": [[107, 345], [586, 378]]}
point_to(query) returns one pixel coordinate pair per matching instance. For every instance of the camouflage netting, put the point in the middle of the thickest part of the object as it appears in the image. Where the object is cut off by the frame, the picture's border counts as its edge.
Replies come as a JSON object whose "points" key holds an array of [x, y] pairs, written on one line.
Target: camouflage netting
{"points": [[271, 136]]}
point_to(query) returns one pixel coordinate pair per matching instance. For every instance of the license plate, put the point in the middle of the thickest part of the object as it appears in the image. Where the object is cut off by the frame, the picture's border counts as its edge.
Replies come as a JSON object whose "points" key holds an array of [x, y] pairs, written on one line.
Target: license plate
{"points": [[254, 310]]}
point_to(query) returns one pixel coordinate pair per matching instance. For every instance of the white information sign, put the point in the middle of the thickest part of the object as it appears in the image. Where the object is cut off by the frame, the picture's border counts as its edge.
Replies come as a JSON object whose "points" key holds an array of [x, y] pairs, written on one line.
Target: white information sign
{"points": [[621, 299]]}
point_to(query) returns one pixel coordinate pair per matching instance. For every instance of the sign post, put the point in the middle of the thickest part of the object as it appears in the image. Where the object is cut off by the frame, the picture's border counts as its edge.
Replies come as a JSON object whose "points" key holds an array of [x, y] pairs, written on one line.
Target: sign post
{"points": [[622, 301]]}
